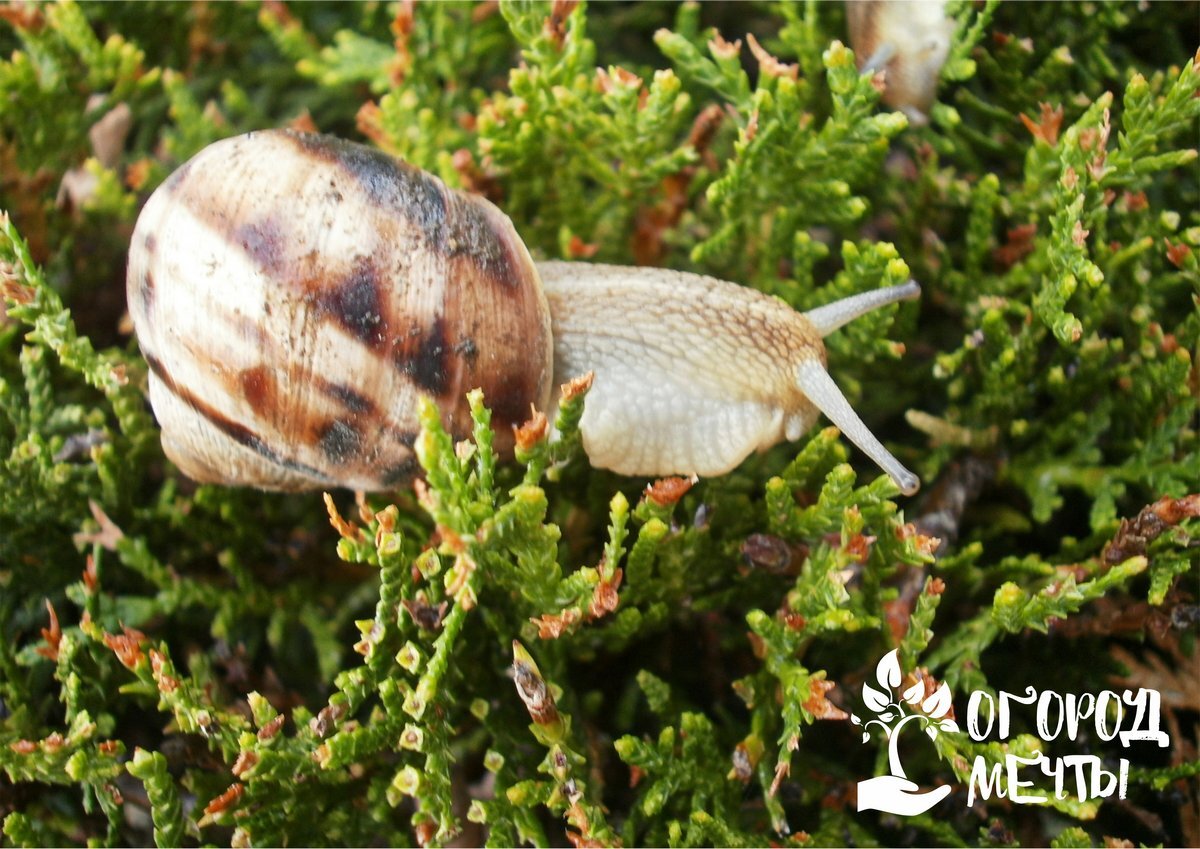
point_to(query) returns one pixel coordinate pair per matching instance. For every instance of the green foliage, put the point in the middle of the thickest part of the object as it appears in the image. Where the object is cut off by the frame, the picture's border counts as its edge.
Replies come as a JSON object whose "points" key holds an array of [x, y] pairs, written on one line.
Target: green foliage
{"points": [[191, 664]]}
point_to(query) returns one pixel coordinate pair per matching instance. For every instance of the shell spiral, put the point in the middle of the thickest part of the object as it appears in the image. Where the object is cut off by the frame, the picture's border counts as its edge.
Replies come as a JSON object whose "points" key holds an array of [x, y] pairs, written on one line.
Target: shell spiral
{"points": [[294, 294]]}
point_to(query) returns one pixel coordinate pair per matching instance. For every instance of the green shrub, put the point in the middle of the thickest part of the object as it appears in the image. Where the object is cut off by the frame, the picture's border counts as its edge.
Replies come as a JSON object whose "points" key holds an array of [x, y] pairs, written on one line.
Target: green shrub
{"points": [[184, 663]]}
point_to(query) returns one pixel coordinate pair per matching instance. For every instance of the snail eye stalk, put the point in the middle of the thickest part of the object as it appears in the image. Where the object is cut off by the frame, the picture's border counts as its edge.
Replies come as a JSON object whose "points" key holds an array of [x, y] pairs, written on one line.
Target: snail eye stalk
{"points": [[818, 387]]}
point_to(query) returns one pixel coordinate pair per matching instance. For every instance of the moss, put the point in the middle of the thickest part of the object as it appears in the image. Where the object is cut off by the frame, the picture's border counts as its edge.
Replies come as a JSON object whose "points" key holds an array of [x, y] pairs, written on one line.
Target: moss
{"points": [[184, 663]]}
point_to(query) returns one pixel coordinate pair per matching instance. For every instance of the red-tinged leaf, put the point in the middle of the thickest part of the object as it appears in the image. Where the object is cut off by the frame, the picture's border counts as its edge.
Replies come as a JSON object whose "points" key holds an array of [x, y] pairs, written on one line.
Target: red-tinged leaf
{"points": [[1046, 127], [106, 537], [818, 704], [52, 635], [552, 626], [666, 491], [532, 432]]}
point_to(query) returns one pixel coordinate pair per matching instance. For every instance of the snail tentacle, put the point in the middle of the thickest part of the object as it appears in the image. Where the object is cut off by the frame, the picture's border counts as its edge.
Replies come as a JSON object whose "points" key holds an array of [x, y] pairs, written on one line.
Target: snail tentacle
{"points": [[830, 317], [820, 389]]}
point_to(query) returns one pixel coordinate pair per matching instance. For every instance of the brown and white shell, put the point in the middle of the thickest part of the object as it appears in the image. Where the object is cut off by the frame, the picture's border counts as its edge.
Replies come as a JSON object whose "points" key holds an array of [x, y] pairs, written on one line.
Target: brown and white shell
{"points": [[293, 295]]}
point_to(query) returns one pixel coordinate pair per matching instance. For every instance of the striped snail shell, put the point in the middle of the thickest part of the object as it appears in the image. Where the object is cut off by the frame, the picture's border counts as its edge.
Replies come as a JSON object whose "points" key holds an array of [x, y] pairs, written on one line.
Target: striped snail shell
{"points": [[294, 294]]}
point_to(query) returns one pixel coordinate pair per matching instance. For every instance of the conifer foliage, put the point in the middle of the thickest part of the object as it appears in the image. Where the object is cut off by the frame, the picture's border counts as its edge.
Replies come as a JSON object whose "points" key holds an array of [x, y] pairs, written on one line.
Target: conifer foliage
{"points": [[529, 651]]}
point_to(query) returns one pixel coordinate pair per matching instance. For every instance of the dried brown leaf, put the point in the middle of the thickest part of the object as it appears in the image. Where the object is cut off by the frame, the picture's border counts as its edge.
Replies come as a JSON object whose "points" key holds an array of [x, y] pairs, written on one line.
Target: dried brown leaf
{"points": [[106, 537], [604, 597], [532, 432], [1046, 127], [819, 705], [1019, 244], [665, 492], [577, 386], [1135, 534], [127, 646], [346, 530], [52, 635], [768, 64], [226, 800], [555, 26], [551, 626]]}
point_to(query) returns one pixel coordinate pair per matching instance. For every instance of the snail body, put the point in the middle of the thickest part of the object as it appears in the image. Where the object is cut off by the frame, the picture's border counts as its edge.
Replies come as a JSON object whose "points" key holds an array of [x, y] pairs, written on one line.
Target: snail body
{"points": [[294, 294]]}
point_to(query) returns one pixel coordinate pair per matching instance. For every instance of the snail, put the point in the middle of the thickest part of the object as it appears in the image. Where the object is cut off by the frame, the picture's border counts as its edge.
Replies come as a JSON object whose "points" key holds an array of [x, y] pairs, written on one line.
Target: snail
{"points": [[910, 39], [294, 295]]}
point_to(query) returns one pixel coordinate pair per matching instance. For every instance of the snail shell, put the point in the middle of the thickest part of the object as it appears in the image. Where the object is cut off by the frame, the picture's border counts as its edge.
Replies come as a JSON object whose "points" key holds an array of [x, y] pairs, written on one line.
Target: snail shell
{"points": [[294, 294]]}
